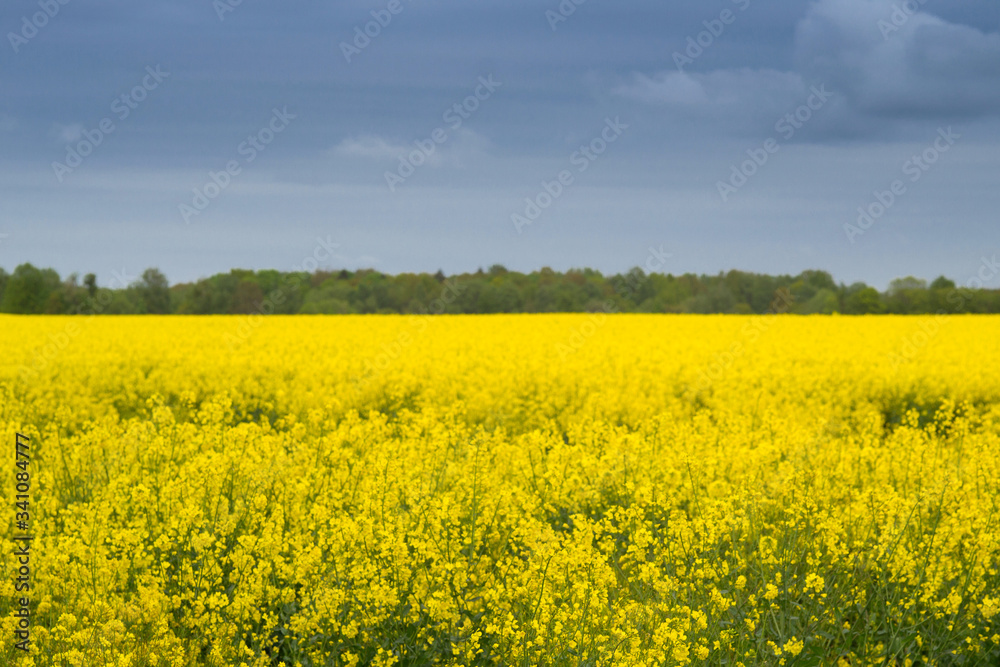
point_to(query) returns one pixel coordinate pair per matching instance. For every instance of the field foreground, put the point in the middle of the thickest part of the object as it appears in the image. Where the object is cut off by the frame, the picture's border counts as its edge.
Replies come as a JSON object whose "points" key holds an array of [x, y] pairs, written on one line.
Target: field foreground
{"points": [[510, 490]]}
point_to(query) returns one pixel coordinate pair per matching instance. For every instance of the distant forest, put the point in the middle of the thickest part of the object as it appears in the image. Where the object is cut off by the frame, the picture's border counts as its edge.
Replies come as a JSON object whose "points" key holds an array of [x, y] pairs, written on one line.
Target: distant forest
{"points": [[30, 290]]}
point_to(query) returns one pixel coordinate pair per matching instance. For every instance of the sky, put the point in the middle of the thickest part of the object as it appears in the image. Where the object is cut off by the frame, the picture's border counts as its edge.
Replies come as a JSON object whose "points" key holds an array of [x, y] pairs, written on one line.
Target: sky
{"points": [[858, 137]]}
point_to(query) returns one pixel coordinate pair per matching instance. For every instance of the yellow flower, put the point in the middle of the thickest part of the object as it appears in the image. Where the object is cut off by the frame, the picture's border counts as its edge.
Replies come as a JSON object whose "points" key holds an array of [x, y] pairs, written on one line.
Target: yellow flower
{"points": [[989, 607], [204, 486], [793, 646]]}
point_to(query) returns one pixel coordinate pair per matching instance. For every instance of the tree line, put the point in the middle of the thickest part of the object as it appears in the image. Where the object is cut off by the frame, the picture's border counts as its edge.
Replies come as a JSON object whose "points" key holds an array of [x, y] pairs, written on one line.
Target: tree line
{"points": [[31, 290]]}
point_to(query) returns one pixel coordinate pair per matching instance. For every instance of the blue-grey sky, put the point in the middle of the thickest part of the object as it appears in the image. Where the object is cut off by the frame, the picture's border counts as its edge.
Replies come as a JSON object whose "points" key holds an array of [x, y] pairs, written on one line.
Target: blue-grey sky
{"points": [[730, 133]]}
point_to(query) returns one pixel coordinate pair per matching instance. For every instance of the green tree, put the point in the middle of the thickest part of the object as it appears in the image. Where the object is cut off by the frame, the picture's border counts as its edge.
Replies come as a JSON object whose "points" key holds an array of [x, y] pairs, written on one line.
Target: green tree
{"points": [[70, 298], [942, 283], [247, 298], [715, 299], [908, 283], [28, 290], [865, 301], [153, 291], [125, 302], [824, 302], [908, 296], [90, 282]]}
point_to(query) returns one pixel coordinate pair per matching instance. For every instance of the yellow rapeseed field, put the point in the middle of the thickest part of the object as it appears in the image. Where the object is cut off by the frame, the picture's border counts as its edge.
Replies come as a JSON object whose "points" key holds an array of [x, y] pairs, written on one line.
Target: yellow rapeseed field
{"points": [[511, 490]]}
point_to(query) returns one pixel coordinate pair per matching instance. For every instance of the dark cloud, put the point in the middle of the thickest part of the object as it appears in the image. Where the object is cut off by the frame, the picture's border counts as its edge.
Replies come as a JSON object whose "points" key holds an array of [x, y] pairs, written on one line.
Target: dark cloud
{"points": [[891, 89], [899, 64]]}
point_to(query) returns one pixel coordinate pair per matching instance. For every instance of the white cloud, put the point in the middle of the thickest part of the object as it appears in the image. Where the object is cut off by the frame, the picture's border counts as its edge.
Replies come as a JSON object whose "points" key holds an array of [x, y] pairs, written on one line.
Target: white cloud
{"points": [[672, 88], [881, 63], [743, 101], [725, 88], [371, 147], [458, 148], [464, 146], [890, 63], [66, 134]]}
